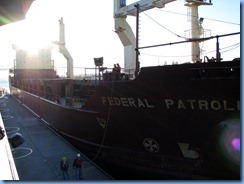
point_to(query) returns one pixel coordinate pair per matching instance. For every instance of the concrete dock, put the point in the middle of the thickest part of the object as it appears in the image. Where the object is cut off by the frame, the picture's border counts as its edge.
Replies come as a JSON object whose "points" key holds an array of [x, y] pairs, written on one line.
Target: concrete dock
{"points": [[38, 158]]}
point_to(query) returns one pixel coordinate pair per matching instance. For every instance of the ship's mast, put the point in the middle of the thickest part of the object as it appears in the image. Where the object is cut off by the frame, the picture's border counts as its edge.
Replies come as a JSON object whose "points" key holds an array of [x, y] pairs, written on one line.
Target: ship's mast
{"points": [[196, 25], [124, 31]]}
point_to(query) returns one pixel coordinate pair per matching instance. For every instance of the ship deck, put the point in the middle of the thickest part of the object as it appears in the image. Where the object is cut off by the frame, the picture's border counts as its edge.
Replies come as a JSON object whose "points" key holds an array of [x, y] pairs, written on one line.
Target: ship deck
{"points": [[38, 158]]}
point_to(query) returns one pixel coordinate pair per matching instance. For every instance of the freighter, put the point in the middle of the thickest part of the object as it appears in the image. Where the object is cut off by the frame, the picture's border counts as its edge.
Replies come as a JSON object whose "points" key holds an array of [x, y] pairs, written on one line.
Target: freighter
{"points": [[161, 122]]}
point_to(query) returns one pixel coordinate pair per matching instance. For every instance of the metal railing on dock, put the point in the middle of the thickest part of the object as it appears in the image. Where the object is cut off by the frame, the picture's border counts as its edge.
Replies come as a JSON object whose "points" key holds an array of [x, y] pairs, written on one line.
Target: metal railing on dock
{"points": [[7, 170]]}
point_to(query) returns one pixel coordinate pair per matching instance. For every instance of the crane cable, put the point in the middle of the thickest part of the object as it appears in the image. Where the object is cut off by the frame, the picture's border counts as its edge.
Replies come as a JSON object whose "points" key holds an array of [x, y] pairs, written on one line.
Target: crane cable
{"points": [[164, 26], [106, 127]]}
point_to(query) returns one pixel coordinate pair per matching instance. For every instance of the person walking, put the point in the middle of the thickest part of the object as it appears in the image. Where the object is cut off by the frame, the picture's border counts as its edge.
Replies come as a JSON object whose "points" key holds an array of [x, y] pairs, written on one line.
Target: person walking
{"points": [[77, 165], [64, 165]]}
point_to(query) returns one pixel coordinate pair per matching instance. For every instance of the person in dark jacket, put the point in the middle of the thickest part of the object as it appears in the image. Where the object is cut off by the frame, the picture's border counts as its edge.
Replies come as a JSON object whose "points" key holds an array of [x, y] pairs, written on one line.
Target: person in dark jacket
{"points": [[77, 165], [64, 166]]}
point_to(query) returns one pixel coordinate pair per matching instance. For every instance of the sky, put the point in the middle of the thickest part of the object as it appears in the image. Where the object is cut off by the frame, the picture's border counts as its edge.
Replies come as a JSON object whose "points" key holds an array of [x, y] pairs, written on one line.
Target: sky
{"points": [[89, 32]]}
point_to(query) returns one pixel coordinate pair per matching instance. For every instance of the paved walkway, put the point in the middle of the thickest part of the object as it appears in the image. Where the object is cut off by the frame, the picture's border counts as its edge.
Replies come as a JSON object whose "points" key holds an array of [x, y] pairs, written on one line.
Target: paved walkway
{"points": [[38, 158]]}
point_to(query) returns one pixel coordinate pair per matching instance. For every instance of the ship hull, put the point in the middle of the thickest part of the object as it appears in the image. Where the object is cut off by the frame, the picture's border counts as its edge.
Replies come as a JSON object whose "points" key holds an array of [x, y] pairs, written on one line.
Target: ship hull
{"points": [[158, 126]]}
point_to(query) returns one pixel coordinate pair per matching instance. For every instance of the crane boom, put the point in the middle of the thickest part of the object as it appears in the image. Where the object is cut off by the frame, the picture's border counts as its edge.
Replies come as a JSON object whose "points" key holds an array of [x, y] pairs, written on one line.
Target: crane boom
{"points": [[124, 31], [63, 50], [144, 6]]}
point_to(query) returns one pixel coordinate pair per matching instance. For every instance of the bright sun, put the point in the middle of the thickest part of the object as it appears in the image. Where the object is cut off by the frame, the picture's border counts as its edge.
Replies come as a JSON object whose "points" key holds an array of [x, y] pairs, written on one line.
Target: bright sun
{"points": [[33, 35]]}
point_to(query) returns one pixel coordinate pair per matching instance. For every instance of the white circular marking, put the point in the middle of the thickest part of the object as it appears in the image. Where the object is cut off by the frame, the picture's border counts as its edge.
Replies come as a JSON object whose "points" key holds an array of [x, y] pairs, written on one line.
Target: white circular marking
{"points": [[12, 129], [22, 152]]}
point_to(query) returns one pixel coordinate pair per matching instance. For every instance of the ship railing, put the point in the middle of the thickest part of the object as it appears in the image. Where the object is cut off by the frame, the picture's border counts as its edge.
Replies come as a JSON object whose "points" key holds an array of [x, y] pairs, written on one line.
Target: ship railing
{"points": [[204, 32], [95, 76], [92, 74]]}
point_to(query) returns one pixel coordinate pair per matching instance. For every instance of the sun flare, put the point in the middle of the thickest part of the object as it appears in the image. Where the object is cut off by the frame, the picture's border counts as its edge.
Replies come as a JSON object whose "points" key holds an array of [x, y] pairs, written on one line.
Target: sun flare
{"points": [[32, 36]]}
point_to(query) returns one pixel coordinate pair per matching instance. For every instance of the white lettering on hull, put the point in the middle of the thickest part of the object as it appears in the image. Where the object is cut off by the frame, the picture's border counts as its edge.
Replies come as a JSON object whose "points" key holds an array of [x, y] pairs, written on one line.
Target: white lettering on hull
{"points": [[126, 102], [186, 152], [201, 105], [179, 104]]}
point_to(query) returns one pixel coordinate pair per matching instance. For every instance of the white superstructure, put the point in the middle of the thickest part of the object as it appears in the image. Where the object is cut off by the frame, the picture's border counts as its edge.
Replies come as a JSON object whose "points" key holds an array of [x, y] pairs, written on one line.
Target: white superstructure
{"points": [[40, 59]]}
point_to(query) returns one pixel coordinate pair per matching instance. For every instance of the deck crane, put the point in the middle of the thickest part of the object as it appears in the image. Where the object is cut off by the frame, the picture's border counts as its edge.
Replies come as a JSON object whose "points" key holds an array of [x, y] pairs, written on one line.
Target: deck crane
{"points": [[124, 31], [63, 50]]}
